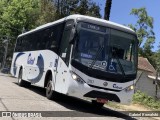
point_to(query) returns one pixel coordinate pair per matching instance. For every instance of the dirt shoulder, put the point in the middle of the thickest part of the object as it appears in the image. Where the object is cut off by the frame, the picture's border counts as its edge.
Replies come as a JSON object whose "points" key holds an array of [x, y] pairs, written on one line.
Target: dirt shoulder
{"points": [[131, 107]]}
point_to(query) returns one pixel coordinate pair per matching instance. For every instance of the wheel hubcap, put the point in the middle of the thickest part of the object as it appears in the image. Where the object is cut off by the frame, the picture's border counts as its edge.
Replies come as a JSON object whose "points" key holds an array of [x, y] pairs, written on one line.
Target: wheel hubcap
{"points": [[19, 80], [49, 88]]}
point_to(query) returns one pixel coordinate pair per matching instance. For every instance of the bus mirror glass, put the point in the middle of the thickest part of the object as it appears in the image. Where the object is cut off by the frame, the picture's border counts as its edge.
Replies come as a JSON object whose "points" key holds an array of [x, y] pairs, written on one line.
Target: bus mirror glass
{"points": [[63, 55], [72, 35]]}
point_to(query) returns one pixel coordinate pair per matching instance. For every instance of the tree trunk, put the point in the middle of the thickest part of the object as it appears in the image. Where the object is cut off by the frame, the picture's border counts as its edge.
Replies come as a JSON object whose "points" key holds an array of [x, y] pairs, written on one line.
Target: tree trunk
{"points": [[107, 9]]}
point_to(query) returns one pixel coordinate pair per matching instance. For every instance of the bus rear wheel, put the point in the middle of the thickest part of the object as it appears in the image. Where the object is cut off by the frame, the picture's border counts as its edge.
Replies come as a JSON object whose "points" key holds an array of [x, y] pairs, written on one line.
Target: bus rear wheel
{"points": [[49, 89], [97, 104]]}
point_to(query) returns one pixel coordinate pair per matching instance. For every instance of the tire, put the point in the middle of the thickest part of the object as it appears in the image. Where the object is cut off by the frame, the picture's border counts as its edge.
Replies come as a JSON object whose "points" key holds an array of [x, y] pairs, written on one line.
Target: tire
{"points": [[21, 82], [49, 92], [97, 104]]}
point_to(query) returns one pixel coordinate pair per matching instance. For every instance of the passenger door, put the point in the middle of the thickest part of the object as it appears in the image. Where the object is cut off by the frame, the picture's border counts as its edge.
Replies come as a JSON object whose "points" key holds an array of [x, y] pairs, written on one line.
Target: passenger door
{"points": [[63, 61]]}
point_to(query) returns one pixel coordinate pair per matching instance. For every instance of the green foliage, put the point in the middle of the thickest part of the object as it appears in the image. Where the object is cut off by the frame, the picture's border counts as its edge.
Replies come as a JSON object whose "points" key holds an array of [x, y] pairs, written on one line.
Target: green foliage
{"points": [[83, 7], [47, 13], [143, 27], [14, 16], [18, 14], [87, 7], [156, 58], [142, 98], [145, 34]]}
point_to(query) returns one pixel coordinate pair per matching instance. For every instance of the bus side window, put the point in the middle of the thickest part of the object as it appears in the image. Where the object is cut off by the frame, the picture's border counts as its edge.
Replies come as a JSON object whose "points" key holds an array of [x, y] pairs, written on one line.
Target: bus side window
{"points": [[38, 45], [52, 43], [29, 39], [33, 39], [55, 36], [24, 48], [65, 46], [42, 38]]}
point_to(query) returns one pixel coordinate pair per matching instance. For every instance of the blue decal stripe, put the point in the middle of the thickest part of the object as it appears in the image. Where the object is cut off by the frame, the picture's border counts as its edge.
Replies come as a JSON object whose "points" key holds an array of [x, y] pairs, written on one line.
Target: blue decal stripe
{"points": [[14, 64], [40, 65]]}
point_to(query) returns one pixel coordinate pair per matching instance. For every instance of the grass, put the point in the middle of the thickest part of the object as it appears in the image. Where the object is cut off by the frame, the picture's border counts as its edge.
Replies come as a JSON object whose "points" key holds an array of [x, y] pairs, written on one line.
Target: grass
{"points": [[147, 101], [141, 99]]}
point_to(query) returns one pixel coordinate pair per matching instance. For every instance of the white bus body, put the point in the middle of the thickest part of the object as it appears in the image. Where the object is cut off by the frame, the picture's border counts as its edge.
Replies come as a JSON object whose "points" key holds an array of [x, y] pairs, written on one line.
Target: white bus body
{"points": [[69, 74]]}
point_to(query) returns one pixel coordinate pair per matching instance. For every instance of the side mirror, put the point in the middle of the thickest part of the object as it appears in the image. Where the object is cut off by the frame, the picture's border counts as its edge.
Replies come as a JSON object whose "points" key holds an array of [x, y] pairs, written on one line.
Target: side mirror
{"points": [[64, 55], [72, 35]]}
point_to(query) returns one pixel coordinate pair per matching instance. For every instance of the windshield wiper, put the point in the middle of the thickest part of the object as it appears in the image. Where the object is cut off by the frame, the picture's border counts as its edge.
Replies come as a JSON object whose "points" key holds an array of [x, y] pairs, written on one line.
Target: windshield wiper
{"points": [[95, 59], [119, 63]]}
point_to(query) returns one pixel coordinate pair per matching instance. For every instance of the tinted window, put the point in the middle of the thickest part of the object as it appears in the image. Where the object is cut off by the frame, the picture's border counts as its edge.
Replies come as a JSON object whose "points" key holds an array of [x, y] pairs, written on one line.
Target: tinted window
{"points": [[54, 37], [42, 39], [65, 47], [48, 38]]}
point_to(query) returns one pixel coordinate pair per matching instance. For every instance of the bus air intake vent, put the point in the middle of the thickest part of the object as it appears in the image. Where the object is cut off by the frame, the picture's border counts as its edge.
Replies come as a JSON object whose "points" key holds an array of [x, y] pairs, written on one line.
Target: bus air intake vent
{"points": [[98, 94]]}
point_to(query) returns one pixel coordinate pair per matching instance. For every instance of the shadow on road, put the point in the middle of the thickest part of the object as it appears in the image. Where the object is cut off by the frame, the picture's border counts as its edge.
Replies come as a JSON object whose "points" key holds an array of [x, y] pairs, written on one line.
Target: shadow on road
{"points": [[81, 106], [38, 90]]}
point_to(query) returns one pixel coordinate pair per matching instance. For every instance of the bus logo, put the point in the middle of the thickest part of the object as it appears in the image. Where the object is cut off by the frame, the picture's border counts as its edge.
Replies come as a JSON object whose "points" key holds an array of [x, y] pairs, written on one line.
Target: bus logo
{"points": [[115, 86], [105, 83], [30, 60]]}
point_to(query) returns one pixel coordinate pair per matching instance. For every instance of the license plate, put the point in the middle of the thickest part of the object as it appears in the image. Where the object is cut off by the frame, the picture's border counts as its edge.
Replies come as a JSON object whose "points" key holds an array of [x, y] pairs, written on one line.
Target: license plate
{"points": [[100, 100]]}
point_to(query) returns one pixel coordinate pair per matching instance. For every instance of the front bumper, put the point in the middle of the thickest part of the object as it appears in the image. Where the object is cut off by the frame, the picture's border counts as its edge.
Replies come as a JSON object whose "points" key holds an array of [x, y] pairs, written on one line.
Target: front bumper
{"points": [[86, 91]]}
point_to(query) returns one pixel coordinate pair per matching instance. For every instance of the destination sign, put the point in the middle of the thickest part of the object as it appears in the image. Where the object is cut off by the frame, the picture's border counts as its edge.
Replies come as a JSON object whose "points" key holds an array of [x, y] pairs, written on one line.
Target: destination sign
{"points": [[93, 27]]}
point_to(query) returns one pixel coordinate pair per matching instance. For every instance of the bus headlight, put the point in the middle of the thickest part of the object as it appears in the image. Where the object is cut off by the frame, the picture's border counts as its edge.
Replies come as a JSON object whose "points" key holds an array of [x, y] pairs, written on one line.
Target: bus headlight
{"points": [[77, 78], [74, 76], [129, 88]]}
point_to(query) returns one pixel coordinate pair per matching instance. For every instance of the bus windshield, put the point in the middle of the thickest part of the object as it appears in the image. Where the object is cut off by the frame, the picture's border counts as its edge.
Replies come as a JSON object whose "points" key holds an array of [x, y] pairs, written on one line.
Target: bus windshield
{"points": [[113, 51]]}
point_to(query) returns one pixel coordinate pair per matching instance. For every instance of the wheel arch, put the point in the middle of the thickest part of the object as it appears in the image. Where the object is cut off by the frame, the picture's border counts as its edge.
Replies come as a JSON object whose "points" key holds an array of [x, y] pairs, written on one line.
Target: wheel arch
{"points": [[18, 70]]}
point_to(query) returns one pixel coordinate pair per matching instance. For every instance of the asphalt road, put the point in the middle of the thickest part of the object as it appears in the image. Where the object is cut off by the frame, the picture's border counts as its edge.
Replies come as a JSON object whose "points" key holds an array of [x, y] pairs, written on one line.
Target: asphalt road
{"points": [[15, 98]]}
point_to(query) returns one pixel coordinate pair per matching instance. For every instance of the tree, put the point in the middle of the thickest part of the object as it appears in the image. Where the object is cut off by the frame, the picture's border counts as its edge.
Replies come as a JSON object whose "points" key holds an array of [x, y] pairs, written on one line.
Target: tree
{"points": [[145, 34], [107, 9], [17, 15], [156, 57], [47, 13], [88, 7], [143, 26], [14, 16], [83, 7]]}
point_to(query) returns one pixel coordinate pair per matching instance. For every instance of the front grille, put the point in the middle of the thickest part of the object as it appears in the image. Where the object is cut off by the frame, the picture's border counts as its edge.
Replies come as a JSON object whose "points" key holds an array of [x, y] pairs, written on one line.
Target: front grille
{"points": [[104, 88], [98, 94]]}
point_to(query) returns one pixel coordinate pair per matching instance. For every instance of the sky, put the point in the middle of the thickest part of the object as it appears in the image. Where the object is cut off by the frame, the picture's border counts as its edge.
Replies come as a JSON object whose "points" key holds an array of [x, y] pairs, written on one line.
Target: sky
{"points": [[120, 13]]}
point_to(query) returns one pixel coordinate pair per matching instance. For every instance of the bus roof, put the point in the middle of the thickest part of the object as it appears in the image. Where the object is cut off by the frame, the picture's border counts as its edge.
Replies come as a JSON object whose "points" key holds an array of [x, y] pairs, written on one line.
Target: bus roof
{"points": [[89, 19]]}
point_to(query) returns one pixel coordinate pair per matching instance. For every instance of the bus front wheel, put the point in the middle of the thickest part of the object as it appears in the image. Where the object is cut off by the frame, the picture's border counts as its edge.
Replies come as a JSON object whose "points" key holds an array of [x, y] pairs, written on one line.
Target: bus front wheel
{"points": [[49, 89]]}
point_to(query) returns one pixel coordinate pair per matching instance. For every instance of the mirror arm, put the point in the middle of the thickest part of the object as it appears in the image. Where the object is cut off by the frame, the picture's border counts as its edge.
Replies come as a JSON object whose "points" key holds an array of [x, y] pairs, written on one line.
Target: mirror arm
{"points": [[72, 36]]}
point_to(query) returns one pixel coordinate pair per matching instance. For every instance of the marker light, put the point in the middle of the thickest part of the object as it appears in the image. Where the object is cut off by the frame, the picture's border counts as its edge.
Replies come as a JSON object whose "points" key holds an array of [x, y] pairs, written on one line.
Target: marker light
{"points": [[131, 87]]}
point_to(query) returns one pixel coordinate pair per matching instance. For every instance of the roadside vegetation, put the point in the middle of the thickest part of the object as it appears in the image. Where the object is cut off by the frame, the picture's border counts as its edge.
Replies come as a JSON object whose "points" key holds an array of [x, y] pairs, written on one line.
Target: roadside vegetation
{"points": [[148, 101], [139, 99]]}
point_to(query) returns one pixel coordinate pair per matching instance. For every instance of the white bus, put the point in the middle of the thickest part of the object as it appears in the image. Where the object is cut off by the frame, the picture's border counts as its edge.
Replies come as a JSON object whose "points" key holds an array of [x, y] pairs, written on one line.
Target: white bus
{"points": [[80, 56]]}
